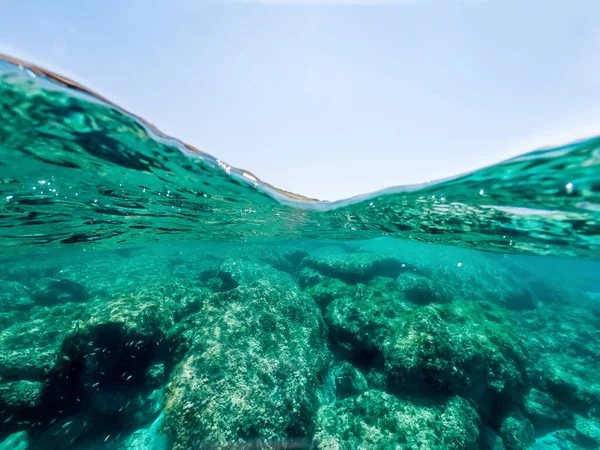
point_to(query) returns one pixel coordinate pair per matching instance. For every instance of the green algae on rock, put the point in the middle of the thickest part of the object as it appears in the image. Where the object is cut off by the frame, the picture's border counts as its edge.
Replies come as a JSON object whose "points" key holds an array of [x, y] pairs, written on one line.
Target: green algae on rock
{"points": [[375, 419], [257, 358], [457, 349]]}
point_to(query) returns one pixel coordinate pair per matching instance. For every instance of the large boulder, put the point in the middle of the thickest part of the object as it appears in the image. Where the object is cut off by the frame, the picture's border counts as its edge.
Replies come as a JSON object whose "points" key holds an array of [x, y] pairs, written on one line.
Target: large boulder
{"points": [[563, 340], [465, 348], [53, 291], [256, 362]]}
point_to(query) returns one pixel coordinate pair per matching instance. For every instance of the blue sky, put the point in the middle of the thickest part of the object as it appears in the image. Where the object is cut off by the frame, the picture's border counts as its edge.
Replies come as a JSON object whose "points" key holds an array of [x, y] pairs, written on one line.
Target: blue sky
{"points": [[333, 98]]}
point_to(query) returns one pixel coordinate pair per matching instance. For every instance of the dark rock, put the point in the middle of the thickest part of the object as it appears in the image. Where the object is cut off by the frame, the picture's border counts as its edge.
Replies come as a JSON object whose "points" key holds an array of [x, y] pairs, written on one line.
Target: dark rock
{"points": [[490, 440], [104, 363]]}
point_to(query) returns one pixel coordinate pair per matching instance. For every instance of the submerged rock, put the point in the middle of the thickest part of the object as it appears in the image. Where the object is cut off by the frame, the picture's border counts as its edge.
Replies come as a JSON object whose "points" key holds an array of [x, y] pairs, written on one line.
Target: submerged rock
{"points": [[105, 363], [428, 353], [359, 324], [587, 431], [545, 412], [456, 349], [421, 290], [257, 360], [376, 420], [284, 258], [563, 340], [355, 268], [432, 274], [20, 400], [324, 290], [490, 440], [516, 431], [14, 296], [29, 348]]}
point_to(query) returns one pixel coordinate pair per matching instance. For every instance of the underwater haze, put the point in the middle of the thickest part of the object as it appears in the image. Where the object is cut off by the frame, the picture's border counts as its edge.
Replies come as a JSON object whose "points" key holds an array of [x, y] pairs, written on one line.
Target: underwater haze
{"points": [[154, 297]]}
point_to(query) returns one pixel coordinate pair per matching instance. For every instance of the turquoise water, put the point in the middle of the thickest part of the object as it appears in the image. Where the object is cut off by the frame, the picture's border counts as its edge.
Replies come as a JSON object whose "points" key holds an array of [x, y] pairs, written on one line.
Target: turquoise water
{"points": [[153, 297]]}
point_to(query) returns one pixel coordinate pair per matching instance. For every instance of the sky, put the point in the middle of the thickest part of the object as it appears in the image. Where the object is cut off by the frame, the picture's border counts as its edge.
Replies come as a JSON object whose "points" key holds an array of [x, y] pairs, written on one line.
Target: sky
{"points": [[332, 98]]}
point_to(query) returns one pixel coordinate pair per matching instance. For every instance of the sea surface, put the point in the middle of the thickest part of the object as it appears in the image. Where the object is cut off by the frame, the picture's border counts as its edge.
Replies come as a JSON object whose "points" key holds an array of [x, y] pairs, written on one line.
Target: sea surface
{"points": [[154, 297]]}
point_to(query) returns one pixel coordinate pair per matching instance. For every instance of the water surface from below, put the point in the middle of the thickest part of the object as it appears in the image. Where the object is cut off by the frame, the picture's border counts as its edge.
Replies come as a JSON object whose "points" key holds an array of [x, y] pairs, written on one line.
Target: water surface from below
{"points": [[153, 297]]}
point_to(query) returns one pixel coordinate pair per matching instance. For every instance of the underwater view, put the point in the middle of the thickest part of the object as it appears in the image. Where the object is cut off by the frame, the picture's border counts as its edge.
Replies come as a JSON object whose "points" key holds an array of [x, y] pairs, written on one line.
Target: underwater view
{"points": [[154, 297]]}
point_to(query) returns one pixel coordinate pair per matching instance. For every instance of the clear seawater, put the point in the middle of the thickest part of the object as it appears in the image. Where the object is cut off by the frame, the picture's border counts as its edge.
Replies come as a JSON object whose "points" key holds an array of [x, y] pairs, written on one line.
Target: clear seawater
{"points": [[153, 297]]}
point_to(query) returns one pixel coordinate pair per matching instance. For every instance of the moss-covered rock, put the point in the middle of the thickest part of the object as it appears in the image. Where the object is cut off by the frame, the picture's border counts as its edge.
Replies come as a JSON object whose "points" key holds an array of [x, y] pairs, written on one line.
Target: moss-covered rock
{"points": [[456, 349], [516, 431], [324, 290], [360, 324], [256, 362], [281, 257], [563, 341], [376, 420]]}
